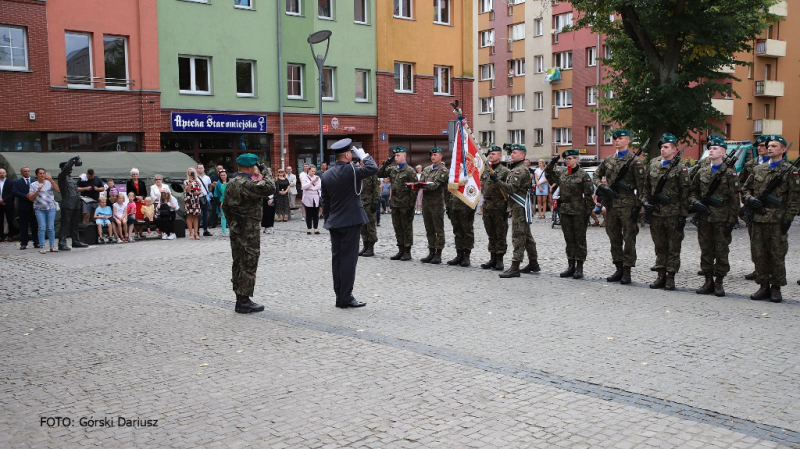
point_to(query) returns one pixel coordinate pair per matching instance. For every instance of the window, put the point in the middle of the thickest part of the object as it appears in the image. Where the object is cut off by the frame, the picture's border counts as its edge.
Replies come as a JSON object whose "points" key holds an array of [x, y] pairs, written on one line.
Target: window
{"points": [[561, 21], [115, 51], [487, 105], [441, 80], [487, 38], [243, 4], [487, 72], [591, 95], [194, 75], [609, 94], [563, 98], [538, 101], [749, 111], [516, 67], [362, 85], [563, 60], [403, 77], [360, 11], [516, 2], [562, 136], [487, 6], [607, 137], [79, 59], [293, 7], [538, 27], [591, 56], [538, 136], [402, 8], [328, 83], [13, 48], [294, 80], [325, 9], [516, 32], [516, 136], [516, 103], [441, 11], [245, 78], [487, 138], [607, 52], [538, 64], [591, 135]]}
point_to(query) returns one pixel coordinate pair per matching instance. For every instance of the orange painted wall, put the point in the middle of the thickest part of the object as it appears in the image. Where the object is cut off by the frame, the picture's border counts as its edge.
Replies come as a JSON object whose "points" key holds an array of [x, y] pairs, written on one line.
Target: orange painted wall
{"points": [[135, 19]]}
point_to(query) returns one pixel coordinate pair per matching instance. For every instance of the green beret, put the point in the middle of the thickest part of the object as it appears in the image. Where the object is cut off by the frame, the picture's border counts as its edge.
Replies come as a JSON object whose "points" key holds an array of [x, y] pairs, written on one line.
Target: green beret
{"points": [[776, 137], [494, 148], [570, 152], [247, 160], [667, 138], [761, 139], [435, 150], [716, 142], [621, 133], [399, 150], [519, 147]]}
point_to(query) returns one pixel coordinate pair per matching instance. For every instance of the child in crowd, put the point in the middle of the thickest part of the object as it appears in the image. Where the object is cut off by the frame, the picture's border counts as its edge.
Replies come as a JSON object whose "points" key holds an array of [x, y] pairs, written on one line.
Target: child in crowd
{"points": [[102, 216], [120, 219], [148, 214], [111, 192], [130, 212]]}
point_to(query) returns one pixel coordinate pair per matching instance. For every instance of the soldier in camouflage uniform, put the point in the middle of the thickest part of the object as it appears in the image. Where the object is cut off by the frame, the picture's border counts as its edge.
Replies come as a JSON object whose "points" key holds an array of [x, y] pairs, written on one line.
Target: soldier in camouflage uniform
{"points": [[462, 218], [433, 205], [243, 209], [772, 219], [716, 212], [370, 196], [402, 201], [575, 204], [495, 209], [519, 183], [668, 210], [747, 170], [622, 225]]}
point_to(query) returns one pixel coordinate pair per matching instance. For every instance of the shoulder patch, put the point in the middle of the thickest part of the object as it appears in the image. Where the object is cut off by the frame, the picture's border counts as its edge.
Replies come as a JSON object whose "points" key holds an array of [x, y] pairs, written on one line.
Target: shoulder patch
{"points": [[794, 173], [638, 162], [516, 172], [734, 174], [684, 170]]}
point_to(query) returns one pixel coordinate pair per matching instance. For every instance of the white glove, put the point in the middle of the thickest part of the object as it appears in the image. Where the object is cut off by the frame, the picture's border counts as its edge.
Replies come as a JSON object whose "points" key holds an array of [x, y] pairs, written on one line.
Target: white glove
{"points": [[358, 152], [83, 177]]}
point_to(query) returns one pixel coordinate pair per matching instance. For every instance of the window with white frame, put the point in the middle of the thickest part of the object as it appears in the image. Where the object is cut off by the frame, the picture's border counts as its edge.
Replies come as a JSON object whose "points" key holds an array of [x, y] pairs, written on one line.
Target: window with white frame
{"points": [[362, 85], [516, 31], [538, 27], [487, 105], [591, 95], [561, 21], [441, 11], [563, 60], [13, 48], [115, 49], [608, 139], [538, 136], [245, 78], [294, 80], [487, 137], [328, 83], [486, 6], [487, 38], [79, 59], [403, 77], [360, 11], [194, 74], [487, 72], [293, 7], [517, 67], [516, 136], [243, 4], [607, 53], [538, 64], [325, 9], [591, 135], [402, 8], [517, 2], [562, 98], [441, 80], [609, 94], [538, 101], [516, 103], [562, 136], [591, 56]]}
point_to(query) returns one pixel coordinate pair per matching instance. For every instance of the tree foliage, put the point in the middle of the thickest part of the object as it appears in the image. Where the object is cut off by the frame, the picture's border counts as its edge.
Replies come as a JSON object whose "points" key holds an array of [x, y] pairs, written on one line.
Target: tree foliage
{"points": [[667, 56]]}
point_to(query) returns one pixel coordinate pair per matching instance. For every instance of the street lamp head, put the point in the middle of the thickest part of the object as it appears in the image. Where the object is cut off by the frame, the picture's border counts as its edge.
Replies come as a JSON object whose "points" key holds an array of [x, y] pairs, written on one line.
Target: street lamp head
{"points": [[319, 36]]}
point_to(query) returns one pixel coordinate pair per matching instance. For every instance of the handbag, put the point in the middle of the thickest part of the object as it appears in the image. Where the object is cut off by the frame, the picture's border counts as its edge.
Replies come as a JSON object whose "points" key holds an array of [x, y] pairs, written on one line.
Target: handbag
{"points": [[203, 201]]}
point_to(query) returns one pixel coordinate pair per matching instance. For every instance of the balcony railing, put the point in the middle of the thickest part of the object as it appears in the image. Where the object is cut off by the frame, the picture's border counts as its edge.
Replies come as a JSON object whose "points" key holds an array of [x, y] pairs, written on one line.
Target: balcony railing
{"points": [[764, 126], [771, 48], [96, 81], [766, 88]]}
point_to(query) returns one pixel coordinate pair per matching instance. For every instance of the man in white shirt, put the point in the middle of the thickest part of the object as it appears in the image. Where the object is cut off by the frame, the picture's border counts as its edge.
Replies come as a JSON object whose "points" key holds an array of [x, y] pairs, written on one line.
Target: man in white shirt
{"points": [[205, 182]]}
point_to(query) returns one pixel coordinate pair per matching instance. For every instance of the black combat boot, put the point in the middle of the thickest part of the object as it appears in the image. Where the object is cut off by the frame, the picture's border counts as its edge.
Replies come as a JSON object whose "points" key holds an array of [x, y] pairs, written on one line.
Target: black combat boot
{"points": [[752, 276], [369, 250], [79, 244], [456, 260], [578, 270], [465, 258], [708, 285], [775, 294], [491, 263], [719, 290], [63, 246], [762, 293], [437, 257], [654, 268], [245, 305], [400, 251], [532, 267], [626, 275], [364, 249], [512, 272], [617, 274], [406, 254], [570, 269], [701, 273], [499, 266], [429, 257], [670, 284], [661, 280]]}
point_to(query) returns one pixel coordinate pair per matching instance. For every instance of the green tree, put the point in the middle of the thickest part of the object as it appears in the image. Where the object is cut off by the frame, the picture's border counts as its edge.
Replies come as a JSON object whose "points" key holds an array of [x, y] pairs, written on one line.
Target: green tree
{"points": [[666, 57]]}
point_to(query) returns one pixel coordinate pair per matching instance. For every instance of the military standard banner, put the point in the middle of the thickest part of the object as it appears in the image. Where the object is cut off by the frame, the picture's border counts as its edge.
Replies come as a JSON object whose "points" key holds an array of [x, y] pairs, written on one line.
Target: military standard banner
{"points": [[467, 166]]}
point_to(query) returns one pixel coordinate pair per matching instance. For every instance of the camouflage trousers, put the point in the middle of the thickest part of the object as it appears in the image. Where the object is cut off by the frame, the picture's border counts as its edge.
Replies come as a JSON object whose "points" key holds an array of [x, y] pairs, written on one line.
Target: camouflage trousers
{"points": [[369, 230], [496, 224], [462, 221], [521, 237], [622, 232], [433, 218], [667, 240], [403, 222], [245, 249], [714, 248], [769, 247], [574, 229]]}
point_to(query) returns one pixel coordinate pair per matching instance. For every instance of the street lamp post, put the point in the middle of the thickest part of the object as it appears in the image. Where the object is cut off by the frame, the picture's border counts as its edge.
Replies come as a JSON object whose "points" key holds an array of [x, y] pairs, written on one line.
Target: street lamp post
{"points": [[318, 38]]}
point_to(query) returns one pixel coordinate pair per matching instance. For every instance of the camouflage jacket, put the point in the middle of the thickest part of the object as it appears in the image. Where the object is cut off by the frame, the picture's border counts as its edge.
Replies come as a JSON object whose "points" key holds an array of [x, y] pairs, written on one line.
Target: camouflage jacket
{"points": [[243, 196], [676, 188], [728, 192], [455, 203], [370, 191], [635, 178], [402, 195], [434, 193], [788, 192], [747, 169], [576, 190], [518, 181], [493, 199]]}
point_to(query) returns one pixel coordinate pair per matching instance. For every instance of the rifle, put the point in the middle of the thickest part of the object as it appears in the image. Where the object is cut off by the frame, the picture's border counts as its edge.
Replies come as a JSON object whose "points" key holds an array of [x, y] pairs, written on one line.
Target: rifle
{"points": [[660, 198], [605, 193], [748, 211], [709, 199]]}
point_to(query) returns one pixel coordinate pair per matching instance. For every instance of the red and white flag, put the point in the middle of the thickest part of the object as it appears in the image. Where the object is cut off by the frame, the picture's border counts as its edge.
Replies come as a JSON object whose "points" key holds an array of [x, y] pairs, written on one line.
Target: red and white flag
{"points": [[466, 167]]}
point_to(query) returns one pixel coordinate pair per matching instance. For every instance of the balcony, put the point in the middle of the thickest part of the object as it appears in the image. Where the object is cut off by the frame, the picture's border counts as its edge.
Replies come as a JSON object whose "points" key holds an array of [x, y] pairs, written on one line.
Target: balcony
{"points": [[771, 48], [723, 105], [767, 127], [727, 69], [780, 9], [769, 88]]}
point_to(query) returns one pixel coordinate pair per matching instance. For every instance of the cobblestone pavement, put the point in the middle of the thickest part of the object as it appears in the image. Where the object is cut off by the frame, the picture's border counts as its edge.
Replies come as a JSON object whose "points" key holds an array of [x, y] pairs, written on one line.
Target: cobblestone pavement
{"points": [[440, 357]]}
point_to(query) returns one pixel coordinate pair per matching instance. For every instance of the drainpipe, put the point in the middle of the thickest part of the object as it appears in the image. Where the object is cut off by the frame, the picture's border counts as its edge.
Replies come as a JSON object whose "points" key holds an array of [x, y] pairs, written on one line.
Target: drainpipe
{"points": [[597, 100], [280, 81]]}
